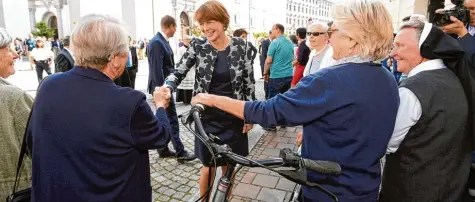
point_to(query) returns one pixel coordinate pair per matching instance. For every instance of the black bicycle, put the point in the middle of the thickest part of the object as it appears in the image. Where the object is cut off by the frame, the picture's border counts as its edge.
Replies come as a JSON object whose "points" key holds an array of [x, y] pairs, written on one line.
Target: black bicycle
{"points": [[288, 159]]}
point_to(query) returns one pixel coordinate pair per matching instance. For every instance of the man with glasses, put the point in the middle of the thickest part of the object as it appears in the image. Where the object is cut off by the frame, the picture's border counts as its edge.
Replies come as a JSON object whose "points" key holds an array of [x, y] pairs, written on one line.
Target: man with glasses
{"points": [[318, 43]]}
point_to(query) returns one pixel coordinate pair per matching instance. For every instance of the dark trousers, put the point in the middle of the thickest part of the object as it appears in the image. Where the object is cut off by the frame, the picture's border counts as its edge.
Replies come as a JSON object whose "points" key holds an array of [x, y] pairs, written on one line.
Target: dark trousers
{"points": [[175, 128], [262, 60], [124, 79], [278, 85], [40, 66], [132, 75]]}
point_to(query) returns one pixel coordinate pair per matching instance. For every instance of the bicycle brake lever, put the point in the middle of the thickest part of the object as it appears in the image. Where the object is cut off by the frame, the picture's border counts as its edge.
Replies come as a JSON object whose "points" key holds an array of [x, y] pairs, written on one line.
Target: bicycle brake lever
{"points": [[215, 139], [300, 177]]}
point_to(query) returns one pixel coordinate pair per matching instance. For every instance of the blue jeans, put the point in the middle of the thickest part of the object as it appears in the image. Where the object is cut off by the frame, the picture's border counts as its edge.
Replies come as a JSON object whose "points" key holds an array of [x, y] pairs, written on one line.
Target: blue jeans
{"points": [[278, 85]]}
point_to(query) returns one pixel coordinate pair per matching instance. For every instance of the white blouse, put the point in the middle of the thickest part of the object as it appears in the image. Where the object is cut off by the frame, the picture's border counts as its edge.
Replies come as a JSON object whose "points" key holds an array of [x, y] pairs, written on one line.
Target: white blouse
{"points": [[41, 54]]}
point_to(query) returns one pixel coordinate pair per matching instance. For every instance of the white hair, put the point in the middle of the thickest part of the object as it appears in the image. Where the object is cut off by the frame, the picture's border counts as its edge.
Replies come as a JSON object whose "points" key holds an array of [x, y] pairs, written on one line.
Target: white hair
{"points": [[5, 38], [419, 17], [318, 24], [98, 38]]}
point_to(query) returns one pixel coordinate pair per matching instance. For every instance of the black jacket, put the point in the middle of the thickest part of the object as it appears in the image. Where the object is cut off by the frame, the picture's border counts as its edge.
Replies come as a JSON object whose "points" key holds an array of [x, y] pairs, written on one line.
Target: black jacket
{"points": [[64, 61]]}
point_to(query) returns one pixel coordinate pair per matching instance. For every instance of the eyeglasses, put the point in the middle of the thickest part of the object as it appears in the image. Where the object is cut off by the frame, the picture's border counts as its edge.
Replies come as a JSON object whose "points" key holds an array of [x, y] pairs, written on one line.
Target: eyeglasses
{"points": [[315, 33], [331, 31]]}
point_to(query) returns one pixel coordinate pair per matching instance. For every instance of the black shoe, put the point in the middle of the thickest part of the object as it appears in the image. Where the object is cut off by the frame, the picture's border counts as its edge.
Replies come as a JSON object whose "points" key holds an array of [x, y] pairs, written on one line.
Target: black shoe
{"points": [[185, 156], [271, 129], [283, 127], [165, 153]]}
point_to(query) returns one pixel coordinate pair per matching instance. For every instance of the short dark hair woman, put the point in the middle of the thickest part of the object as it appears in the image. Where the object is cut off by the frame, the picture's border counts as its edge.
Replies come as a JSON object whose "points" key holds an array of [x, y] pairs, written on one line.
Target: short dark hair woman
{"points": [[223, 67]]}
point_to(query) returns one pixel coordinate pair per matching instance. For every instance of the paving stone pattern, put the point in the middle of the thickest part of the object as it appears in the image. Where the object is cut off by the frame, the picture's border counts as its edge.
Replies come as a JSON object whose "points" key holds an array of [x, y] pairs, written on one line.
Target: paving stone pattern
{"points": [[259, 184], [172, 181]]}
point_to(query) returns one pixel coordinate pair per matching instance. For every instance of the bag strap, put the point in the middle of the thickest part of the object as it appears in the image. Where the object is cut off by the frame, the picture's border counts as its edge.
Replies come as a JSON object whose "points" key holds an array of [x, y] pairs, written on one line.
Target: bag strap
{"points": [[22, 152], [23, 143]]}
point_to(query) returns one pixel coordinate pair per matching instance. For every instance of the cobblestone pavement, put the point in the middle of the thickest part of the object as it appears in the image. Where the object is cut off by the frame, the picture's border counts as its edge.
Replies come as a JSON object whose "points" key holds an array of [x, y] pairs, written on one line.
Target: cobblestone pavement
{"points": [[258, 184], [172, 181]]}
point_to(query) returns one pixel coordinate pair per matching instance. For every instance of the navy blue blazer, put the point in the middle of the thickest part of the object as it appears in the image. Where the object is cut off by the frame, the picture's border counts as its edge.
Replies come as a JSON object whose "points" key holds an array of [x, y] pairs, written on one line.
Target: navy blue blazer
{"points": [[348, 114], [160, 61], [90, 139]]}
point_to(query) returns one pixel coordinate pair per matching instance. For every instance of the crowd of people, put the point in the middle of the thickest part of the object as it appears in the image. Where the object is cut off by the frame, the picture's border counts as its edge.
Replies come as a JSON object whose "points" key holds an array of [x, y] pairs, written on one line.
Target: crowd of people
{"points": [[360, 92]]}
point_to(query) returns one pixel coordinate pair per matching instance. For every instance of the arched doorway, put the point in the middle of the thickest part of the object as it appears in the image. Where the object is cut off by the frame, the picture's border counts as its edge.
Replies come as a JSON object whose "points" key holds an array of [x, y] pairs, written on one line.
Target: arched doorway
{"points": [[185, 24], [52, 21]]}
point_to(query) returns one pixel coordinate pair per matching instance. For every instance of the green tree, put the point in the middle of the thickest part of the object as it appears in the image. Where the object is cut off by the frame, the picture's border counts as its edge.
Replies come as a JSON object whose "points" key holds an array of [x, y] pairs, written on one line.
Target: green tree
{"points": [[43, 30]]}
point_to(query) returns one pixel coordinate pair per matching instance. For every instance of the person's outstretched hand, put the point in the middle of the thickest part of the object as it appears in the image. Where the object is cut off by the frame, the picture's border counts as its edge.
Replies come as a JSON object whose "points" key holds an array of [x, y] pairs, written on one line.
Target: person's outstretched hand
{"points": [[203, 98]]}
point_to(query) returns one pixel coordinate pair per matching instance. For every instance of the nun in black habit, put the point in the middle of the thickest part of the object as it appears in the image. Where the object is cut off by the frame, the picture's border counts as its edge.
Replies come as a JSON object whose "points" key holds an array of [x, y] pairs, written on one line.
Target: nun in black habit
{"points": [[430, 160]]}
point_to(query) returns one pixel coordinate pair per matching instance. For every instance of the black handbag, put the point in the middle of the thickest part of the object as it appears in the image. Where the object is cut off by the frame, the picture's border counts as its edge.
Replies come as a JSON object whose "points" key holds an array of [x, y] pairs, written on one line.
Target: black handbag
{"points": [[25, 194]]}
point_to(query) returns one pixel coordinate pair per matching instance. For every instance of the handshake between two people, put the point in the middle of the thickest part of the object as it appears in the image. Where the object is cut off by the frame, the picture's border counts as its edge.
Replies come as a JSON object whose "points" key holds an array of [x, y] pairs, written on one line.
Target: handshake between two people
{"points": [[162, 96]]}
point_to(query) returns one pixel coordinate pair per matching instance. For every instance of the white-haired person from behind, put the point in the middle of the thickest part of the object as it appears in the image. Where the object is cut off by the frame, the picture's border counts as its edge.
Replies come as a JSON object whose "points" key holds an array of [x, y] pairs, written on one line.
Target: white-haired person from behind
{"points": [[89, 137]]}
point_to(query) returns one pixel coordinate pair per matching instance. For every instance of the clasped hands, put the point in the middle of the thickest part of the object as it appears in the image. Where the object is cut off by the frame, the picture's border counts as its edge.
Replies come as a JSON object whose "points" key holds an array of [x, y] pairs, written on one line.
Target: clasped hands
{"points": [[161, 97]]}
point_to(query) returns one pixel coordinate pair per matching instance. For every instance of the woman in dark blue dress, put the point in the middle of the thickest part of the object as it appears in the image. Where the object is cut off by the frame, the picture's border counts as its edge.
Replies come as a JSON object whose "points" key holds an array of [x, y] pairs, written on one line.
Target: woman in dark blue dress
{"points": [[223, 67], [215, 121], [347, 111]]}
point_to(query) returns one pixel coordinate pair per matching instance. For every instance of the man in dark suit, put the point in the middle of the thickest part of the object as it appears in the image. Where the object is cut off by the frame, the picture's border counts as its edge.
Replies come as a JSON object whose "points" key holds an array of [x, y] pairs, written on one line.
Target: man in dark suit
{"points": [[135, 63], [64, 61], [262, 58], [161, 64]]}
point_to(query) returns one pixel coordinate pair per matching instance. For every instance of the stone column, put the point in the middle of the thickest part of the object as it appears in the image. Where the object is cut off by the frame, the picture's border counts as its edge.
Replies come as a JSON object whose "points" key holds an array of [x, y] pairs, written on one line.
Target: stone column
{"points": [[32, 12], [59, 16], [129, 16]]}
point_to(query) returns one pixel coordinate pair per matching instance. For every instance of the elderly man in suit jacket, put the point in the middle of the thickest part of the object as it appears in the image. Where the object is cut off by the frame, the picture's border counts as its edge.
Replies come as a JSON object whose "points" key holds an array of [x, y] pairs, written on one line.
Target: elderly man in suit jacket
{"points": [[64, 61], [161, 64], [94, 144]]}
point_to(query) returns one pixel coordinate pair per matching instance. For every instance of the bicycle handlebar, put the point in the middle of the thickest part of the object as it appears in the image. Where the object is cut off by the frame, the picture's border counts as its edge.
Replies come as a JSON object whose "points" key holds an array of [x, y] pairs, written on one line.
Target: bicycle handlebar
{"points": [[287, 157]]}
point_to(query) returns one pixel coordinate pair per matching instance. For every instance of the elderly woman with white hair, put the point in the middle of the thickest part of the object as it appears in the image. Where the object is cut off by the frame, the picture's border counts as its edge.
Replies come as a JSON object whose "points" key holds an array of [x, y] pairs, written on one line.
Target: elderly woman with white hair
{"points": [[89, 137], [347, 111], [15, 106]]}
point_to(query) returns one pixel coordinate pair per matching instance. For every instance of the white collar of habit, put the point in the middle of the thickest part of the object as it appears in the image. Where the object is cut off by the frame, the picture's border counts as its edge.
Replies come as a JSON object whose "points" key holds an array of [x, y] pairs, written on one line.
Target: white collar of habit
{"points": [[427, 66]]}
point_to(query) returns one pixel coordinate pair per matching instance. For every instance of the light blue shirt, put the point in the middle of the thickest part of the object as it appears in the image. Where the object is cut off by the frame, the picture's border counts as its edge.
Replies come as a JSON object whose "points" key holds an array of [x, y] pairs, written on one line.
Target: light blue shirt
{"points": [[129, 60], [282, 52]]}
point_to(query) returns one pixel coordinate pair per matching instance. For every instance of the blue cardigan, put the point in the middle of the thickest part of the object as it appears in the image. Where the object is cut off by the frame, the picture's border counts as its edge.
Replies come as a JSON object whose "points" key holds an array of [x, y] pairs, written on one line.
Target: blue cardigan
{"points": [[348, 114], [90, 139]]}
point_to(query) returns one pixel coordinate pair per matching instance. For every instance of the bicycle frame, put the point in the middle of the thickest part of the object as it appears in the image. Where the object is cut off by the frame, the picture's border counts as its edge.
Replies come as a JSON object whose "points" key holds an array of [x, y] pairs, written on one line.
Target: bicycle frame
{"points": [[224, 186], [287, 159]]}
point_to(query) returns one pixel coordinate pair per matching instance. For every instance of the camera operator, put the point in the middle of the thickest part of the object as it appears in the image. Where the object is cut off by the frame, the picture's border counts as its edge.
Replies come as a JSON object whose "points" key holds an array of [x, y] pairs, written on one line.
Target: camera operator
{"points": [[464, 33], [466, 71]]}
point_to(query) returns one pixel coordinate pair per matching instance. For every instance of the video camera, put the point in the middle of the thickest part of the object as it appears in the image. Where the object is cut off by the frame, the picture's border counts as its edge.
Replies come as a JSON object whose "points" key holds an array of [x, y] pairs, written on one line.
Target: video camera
{"points": [[459, 11]]}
